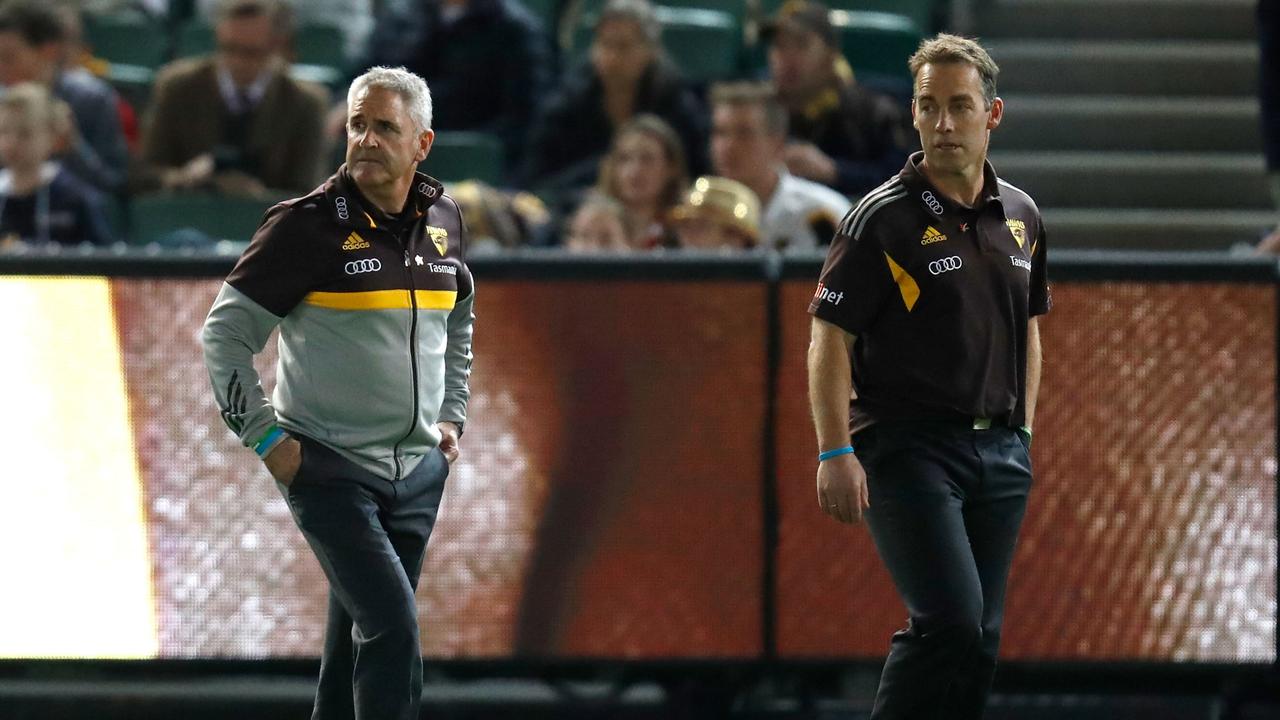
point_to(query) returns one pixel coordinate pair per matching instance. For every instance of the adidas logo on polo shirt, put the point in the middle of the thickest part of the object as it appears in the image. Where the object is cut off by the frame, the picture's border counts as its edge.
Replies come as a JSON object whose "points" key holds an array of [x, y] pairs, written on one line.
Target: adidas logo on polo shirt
{"points": [[931, 235]]}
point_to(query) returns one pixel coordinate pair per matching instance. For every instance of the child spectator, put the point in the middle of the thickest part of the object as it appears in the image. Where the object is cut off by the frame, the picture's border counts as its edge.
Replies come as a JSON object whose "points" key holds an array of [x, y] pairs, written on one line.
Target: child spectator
{"points": [[599, 224], [40, 201], [718, 214]]}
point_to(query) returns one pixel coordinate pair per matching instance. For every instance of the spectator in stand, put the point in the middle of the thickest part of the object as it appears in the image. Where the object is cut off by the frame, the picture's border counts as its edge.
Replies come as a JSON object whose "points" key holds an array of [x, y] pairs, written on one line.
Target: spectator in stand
{"points": [[353, 17], [77, 54], [32, 37], [842, 134], [598, 225], [748, 143], [645, 171], [488, 63], [626, 75], [41, 203], [499, 219], [235, 121], [718, 214]]}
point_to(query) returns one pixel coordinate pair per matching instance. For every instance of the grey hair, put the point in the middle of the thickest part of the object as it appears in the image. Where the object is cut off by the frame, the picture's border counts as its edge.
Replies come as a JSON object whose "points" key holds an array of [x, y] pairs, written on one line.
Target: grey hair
{"points": [[411, 88], [640, 12]]}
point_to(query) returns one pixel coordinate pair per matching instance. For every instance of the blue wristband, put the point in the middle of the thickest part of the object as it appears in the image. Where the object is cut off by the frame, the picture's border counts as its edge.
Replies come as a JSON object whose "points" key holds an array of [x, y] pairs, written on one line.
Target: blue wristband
{"points": [[846, 450], [268, 441]]}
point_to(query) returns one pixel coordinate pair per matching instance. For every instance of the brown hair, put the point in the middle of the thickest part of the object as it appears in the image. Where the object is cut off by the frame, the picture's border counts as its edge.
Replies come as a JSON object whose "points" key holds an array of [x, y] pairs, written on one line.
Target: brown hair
{"points": [[281, 13], [759, 94], [943, 49], [658, 129]]}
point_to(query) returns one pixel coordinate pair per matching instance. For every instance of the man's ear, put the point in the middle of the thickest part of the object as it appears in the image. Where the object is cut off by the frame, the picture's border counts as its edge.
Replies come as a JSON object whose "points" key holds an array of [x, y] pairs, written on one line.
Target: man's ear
{"points": [[997, 114], [424, 144]]}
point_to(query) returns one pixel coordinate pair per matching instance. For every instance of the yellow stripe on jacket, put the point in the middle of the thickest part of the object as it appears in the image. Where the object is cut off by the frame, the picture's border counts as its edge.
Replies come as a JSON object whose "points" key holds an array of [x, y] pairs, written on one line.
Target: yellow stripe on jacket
{"points": [[383, 300]]}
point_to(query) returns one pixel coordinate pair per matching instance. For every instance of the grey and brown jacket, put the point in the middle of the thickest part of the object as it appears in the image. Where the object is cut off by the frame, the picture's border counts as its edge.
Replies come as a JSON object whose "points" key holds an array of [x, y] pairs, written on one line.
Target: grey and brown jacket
{"points": [[375, 317]]}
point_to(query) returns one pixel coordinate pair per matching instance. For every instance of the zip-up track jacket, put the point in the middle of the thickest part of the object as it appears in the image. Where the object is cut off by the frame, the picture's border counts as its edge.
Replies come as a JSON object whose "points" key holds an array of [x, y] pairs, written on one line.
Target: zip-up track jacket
{"points": [[375, 319]]}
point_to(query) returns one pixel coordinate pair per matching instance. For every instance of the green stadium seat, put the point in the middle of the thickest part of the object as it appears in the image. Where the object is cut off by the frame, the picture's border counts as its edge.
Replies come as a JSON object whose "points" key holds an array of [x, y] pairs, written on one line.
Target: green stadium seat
{"points": [[194, 38], [155, 217], [313, 44], [547, 11], [126, 40], [921, 12], [458, 155], [705, 44], [877, 43], [737, 9]]}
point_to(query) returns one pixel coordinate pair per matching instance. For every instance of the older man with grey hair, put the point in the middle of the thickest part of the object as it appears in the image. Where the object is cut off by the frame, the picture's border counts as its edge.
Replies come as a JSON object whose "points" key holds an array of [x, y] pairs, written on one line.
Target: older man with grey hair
{"points": [[366, 279]]}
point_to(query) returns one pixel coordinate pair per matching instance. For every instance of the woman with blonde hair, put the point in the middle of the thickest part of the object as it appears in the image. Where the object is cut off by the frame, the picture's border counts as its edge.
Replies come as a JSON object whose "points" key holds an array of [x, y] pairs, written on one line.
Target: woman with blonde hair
{"points": [[645, 170]]}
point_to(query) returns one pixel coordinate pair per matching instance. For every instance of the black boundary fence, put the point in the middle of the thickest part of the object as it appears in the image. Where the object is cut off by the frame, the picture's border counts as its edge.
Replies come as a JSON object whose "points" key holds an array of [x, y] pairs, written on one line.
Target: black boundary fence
{"points": [[723, 679]]}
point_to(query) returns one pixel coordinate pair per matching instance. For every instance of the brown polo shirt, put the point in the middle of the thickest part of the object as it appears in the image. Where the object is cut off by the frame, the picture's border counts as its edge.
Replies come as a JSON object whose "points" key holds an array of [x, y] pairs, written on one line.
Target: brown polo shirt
{"points": [[939, 297]]}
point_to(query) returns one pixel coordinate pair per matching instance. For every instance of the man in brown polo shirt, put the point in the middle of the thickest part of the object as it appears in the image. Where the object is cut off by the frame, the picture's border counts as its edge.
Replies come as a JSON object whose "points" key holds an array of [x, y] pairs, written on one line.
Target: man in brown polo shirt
{"points": [[924, 367]]}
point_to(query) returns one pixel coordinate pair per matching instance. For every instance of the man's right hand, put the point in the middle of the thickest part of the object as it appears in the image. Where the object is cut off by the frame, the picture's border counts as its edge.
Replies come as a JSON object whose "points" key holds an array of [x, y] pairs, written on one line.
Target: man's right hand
{"points": [[842, 488], [284, 460]]}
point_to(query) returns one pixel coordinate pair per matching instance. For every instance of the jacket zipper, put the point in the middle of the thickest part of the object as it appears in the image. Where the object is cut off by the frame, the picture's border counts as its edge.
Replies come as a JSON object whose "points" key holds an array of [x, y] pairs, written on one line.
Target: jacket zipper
{"points": [[413, 355]]}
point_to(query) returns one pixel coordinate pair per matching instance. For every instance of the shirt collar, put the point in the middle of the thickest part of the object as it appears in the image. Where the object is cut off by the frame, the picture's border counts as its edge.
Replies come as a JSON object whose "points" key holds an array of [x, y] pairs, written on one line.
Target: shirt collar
{"points": [[349, 206], [235, 98], [48, 171], [933, 199]]}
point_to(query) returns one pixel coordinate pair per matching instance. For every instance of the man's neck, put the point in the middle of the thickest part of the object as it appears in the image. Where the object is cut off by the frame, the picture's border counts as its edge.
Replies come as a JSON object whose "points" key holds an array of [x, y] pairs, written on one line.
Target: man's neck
{"points": [[24, 180], [764, 186], [963, 187], [390, 200]]}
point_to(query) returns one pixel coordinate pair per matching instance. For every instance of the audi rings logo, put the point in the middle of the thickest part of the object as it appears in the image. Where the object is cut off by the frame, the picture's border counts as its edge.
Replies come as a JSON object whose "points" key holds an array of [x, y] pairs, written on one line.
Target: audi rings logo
{"points": [[341, 204], [932, 202], [368, 265], [427, 190], [947, 264]]}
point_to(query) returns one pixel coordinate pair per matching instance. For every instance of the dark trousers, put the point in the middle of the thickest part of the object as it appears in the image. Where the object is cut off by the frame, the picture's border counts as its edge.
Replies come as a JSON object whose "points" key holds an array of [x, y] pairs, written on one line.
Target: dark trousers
{"points": [[946, 505], [369, 535]]}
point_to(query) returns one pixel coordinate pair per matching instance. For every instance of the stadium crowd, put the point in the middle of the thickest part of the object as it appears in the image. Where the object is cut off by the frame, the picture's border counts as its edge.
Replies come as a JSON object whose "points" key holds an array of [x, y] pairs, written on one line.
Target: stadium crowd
{"points": [[560, 122]]}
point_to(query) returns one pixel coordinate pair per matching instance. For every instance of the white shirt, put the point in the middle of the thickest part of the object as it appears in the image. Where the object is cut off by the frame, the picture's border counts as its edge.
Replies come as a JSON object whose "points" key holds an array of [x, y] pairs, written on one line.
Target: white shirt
{"points": [[794, 208], [242, 101]]}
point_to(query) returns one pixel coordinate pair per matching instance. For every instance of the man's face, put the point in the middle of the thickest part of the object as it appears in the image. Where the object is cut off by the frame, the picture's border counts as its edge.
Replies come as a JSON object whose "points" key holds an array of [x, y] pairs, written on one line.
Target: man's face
{"points": [[620, 53], [24, 143], [21, 61], [384, 145], [246, 47], [951, 115], [799, 63], [741, 147]]}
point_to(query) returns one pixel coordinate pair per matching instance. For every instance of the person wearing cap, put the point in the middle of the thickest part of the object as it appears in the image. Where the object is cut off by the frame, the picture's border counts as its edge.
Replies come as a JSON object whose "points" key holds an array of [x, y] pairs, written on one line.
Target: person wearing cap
{"points": [[924, 373], [748, 137], [718, 214], [843, 135]]}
